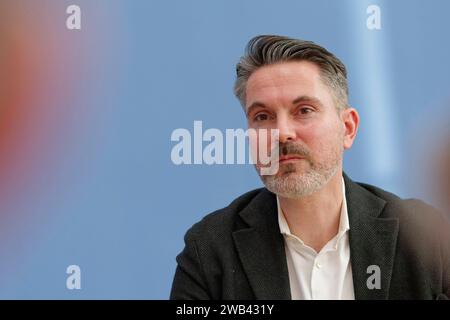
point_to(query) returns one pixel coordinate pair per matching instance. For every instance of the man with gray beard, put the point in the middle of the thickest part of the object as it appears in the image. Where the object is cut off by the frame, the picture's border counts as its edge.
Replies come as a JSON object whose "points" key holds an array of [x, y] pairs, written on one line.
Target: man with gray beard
{"points": [[312, 233]]}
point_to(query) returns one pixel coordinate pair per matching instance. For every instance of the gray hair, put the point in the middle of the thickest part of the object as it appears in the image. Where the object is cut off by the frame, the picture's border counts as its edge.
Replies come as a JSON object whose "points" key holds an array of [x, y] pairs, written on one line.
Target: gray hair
{"points": [[270, 49]]}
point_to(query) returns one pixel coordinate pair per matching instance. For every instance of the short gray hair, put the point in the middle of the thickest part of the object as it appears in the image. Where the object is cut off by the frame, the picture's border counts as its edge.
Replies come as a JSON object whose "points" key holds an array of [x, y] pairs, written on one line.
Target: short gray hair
{"points": [[270, 49]]}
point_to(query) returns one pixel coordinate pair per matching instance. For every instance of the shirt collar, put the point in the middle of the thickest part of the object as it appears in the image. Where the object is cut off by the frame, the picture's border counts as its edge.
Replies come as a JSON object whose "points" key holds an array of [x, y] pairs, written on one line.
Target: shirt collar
{"points": [[344, 224]]}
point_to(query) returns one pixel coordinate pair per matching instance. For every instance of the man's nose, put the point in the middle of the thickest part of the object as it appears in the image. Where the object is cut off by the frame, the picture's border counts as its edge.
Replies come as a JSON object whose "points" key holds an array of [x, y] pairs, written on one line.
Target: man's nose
{"points": [[286, 130]]}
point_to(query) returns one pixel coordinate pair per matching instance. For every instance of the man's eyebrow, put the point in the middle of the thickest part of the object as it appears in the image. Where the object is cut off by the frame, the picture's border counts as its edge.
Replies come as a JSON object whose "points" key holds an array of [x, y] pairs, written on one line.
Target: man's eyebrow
{"points": [[307, 99], [255, 105]]}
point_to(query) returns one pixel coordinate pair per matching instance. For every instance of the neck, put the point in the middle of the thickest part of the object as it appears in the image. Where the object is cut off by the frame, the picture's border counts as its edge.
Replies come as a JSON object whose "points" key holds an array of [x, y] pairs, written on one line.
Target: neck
{"points": [[315, 218]]}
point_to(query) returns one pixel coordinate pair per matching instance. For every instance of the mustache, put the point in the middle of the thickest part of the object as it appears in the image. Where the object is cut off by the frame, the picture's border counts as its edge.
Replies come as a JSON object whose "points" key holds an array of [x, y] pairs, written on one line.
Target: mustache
{"points": [[283, 149], [293, 148]]}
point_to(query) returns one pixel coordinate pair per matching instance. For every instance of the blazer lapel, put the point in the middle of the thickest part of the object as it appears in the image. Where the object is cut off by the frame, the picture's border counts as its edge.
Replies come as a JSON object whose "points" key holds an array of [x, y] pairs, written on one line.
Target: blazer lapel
{"points": [[261, 249], [372, 242]]}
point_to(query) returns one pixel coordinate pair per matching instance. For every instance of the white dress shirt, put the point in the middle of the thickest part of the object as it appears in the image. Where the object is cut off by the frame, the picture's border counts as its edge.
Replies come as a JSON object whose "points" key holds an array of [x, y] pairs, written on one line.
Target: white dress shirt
{"points": [[324, 275]]}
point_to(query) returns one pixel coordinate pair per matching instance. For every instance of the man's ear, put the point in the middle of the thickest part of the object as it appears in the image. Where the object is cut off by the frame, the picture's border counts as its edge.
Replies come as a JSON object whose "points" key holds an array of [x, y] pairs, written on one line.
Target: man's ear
{"points": [[350, 119]]}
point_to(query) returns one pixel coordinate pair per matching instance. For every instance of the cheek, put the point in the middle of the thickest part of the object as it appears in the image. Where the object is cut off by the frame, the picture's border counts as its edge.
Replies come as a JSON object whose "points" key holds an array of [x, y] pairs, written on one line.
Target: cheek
{"points": [[312, 134], [260, 138], [262, 143], [323, 140]]}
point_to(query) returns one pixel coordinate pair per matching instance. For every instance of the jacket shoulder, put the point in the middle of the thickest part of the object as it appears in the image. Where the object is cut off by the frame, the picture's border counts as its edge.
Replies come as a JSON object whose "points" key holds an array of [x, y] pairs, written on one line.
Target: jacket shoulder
{"points": [[413, 211], [224, 219]]}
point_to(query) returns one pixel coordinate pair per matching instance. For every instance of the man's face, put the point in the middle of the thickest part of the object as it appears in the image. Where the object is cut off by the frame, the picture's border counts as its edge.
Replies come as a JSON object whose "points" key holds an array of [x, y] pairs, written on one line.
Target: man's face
{"points": [[292, 97]]}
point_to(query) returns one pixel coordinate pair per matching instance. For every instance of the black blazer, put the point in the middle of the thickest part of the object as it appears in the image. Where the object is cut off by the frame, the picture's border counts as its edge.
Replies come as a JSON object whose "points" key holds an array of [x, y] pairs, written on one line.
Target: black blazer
{"points": [[238, 252]]}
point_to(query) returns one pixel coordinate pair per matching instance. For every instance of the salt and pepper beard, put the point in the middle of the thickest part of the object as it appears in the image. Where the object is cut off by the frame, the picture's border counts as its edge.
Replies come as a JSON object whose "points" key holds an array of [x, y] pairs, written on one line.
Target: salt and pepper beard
{"points": [[289, 183]]}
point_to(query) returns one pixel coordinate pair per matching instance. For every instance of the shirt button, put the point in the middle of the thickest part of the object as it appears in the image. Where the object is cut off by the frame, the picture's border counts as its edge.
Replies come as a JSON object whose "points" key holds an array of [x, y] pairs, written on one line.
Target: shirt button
{"points": [[318, 265]]}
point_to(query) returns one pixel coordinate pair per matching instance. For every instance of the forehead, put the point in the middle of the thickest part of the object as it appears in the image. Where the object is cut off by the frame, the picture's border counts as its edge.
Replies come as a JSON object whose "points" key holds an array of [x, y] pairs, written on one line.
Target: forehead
{"points": [[285, 81]]}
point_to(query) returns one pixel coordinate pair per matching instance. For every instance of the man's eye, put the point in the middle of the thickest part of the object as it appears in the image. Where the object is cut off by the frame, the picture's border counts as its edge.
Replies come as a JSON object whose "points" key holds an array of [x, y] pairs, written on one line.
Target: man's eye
{"points": [[305, 110], [261, 117]]}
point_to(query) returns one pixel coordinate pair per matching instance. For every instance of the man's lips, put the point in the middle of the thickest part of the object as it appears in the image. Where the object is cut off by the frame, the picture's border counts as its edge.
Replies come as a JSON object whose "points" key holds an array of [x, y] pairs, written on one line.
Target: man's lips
{"points": [[290, 158]]}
